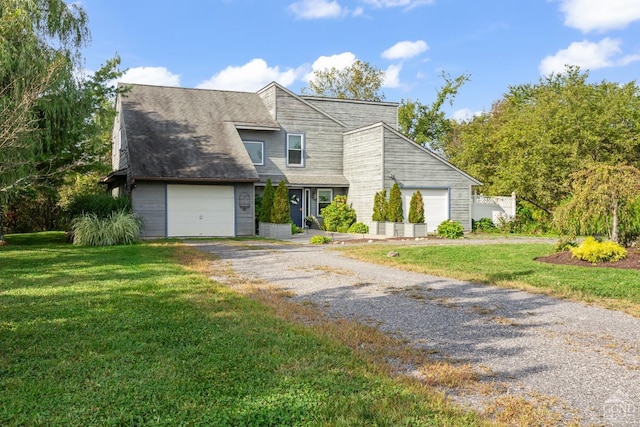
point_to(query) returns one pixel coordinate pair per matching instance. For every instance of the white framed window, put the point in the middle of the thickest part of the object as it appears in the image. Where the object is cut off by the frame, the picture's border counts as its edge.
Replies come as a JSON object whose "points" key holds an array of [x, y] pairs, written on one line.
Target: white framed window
{"points": [[325, 196], [295, 149], [256, 151]]}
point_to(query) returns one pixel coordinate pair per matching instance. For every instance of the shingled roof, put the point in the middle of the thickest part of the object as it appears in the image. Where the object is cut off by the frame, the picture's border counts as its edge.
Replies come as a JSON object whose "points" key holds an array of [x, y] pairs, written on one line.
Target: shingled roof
{"points": [[190, 134]]}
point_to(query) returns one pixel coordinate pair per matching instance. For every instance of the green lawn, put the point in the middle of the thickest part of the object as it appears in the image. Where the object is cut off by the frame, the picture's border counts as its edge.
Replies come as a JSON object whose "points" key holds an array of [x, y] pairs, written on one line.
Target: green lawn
{"points": [[514, 265], [128, 336]]}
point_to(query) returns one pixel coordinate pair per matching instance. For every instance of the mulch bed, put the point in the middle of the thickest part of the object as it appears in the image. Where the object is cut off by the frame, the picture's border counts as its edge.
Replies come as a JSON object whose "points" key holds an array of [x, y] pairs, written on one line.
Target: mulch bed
{"points": [[631, 262]]}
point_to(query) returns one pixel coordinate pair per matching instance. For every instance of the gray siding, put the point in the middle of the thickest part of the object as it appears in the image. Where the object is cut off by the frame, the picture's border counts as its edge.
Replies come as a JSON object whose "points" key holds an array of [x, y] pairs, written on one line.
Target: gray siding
{"points": [[149, 200], [363, 158], [268, 95], [119, 153], [245, 216], [323, 139], [413, 167], [357, 114]]}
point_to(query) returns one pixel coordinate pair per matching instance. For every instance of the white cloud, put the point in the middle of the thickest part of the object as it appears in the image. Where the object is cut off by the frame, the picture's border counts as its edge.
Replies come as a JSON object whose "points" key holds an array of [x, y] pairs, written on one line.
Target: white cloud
{"points": [[316, 9], [407, 4], [465, 115], [338, 61], [587, 55], [251, 76], [600, 15], [392, 76], [156, 76], [405, 49]]}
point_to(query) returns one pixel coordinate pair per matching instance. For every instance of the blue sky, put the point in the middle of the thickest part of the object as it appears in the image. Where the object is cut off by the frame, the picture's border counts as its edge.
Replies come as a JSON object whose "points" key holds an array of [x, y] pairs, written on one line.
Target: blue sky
{"points": [[246, 44]]}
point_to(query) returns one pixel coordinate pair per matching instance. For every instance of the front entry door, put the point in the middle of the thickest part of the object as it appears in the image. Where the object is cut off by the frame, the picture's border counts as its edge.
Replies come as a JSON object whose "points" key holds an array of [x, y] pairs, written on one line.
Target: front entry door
{"points": [[295, 206]]}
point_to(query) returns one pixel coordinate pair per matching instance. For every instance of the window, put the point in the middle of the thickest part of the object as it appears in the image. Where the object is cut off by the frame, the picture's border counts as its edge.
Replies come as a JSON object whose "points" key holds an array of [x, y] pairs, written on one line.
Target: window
{"points": [[295, 149], [256, 151], [325, 196]]}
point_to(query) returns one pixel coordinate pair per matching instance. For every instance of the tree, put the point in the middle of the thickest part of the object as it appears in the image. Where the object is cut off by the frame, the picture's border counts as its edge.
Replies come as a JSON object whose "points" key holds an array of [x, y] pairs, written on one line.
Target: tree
{"points": [[267, 202], [380, 206], [600, 194], [416, 208], [59, 123], [281, 213], [395, 213], [38, 39], [538, 135], [360, 80], [427, 124]]}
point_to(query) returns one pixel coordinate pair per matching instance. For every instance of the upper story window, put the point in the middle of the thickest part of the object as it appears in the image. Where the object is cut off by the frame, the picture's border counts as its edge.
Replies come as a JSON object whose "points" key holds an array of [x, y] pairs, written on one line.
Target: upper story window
{"points": [[256, 151], [295, 149]]}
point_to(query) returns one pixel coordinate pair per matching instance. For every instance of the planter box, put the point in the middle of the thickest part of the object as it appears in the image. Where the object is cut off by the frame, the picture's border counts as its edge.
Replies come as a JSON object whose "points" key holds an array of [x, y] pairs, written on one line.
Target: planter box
{"points": [[394, 229], [274, 231], [415, 230], [377, 228]]}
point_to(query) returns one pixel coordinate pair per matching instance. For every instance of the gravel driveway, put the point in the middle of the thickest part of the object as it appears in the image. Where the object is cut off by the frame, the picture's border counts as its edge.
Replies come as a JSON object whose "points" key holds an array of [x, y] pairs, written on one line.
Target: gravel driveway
{"points": [[587, 357]]}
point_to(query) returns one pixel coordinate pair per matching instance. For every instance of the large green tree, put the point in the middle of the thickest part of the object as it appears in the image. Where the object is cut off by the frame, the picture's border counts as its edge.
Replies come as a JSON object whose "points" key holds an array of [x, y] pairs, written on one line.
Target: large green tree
{"points": [[360, 80], [601, 196], [427, 124], [52, 121], [538, 135]]}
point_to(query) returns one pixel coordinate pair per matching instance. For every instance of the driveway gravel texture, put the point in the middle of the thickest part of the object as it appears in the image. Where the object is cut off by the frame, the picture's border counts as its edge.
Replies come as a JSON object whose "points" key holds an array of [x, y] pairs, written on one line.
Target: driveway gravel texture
{"points": [[588, 358]]}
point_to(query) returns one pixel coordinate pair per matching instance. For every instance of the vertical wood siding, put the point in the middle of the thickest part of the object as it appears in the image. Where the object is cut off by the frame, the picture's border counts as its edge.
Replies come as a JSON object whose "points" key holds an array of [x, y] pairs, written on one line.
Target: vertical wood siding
{"points": [[245, 218], [363, 158], [357, 114], [149, 200], [414, 168]]}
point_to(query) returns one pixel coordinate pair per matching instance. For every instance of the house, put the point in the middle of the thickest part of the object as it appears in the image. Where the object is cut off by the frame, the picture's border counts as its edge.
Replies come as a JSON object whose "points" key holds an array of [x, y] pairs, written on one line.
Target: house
{"points": [[193, 160]]}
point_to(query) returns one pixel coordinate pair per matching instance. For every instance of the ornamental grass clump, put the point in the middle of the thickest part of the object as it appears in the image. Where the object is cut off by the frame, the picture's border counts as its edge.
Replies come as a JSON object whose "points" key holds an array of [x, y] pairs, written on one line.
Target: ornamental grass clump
{"points": [[593, 251], [119, 228]]}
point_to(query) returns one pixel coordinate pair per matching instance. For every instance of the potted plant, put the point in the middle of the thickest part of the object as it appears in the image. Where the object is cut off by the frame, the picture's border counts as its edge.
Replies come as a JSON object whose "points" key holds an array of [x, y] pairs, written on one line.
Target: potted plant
{"points": [[266, 206], [395, 214], [280, 213], [416, 226], [379, 216]]}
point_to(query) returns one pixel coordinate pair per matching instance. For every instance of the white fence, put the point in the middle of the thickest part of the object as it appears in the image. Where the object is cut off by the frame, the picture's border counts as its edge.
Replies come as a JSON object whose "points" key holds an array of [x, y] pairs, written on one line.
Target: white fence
{"points": [[495, 208]]}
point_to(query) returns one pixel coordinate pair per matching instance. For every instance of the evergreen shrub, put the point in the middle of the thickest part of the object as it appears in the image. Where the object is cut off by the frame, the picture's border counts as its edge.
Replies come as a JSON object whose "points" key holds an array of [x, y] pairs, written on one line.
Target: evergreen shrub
{"points": [[395, 212], [280, 213], [416, 208]]}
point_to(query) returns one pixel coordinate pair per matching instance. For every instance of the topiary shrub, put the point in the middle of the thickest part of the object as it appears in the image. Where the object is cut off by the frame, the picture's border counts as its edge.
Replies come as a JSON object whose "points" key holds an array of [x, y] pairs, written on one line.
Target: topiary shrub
{"points": [[395, 212], [450, 229], [118, 229], [593, 251], [358, 228], [416, 208], [320, 240], [280, 213], [380, 206], [338, 216], [266, 206]]}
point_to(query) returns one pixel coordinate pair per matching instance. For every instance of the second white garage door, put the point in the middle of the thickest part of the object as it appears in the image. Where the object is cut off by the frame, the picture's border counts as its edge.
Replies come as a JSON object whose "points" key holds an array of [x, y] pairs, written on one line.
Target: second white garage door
{"points": [[200, 210], [436, 206]]}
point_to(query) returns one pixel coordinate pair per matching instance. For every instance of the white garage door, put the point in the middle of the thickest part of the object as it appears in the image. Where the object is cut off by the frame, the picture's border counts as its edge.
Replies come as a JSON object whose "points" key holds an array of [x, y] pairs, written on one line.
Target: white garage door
{"points": [[200, 210], [436, 206]]}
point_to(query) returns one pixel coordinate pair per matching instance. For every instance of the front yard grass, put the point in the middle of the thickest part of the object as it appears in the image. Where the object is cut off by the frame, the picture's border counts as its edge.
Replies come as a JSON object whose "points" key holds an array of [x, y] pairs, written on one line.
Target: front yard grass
{"points": [[514, 266], [128, 336]]}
